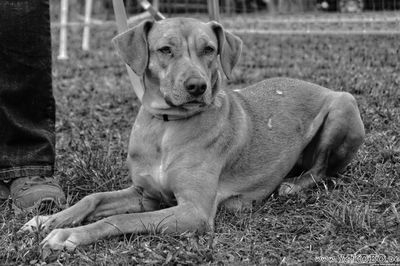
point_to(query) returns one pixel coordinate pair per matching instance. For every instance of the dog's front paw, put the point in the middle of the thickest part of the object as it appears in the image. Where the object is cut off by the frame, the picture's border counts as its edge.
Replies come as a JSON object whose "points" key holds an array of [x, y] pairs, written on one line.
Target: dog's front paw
{"points": [[67, 238], [36, 223], [287, 188]]}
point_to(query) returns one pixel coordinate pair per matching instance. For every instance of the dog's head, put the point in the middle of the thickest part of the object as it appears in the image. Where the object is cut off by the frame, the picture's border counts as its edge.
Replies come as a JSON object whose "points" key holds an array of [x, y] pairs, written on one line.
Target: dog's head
{"points": [[179, 57]]}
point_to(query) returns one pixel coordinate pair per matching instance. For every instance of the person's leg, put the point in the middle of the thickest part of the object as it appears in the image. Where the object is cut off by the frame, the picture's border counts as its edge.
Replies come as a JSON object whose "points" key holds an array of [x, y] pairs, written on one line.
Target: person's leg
{"points": [[27, 108]]}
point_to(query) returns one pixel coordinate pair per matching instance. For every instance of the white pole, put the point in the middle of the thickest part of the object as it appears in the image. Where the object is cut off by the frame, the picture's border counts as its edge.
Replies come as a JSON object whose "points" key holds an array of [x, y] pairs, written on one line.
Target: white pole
{"points": [[86, 29], [156, 4], [122, 24], [63, 30], [213, 9]]}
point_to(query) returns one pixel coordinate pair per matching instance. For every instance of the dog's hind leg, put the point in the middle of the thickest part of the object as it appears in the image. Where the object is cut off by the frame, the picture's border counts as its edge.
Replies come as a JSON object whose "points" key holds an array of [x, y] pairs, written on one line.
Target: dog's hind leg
{"points": [[306, 179], [333, 147], [94, 206]]}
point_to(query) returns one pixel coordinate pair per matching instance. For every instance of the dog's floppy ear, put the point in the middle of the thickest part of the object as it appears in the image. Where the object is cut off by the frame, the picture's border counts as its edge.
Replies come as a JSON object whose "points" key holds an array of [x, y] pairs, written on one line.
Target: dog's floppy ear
{"points": [[229, 48], [133, 48]]}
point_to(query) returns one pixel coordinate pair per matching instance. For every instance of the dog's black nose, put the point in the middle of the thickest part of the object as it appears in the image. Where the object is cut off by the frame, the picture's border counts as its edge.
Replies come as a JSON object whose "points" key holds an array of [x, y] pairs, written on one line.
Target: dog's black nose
{"points": [[195, 86]]}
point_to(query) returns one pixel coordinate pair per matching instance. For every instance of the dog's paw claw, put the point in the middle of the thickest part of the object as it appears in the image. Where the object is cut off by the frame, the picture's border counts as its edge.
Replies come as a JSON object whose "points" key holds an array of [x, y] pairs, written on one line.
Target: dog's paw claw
{"points": [[287, 188], [59, 239], [37, 222]]}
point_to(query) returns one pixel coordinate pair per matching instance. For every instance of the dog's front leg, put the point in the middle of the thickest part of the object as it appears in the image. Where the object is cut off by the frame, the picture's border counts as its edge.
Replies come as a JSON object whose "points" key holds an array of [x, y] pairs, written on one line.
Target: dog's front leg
{"points": [[180, 218], [195, 192], [94, 206]]}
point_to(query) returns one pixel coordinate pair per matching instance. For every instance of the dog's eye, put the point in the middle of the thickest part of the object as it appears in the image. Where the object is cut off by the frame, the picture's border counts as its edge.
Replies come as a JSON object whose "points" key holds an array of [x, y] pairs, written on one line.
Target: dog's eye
{"points": [[208, 50], [165, 50]]}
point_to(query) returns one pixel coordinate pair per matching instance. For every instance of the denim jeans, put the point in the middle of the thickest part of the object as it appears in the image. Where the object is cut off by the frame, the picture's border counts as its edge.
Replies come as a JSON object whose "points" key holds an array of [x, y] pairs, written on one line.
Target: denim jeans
{"points": [[27, 108]]}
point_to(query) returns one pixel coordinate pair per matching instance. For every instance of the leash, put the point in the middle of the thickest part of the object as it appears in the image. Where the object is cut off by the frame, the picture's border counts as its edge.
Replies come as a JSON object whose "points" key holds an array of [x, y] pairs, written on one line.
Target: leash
{"points": [[122, 25], [149, 8]]}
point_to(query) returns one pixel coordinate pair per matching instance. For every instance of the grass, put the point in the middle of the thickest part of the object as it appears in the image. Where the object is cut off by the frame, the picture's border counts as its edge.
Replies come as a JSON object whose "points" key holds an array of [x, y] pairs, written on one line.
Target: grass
{"points": [[352, 214]]}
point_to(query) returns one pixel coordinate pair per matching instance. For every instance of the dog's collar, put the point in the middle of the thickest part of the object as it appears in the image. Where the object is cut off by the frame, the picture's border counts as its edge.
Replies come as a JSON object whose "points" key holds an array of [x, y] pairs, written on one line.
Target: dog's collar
{"points": [[172, 117], [167, 118]]}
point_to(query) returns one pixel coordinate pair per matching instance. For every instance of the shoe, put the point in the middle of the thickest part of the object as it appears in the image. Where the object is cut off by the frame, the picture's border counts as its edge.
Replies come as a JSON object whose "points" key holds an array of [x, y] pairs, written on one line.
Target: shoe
{"points": [[4, 191], [39, 192]]}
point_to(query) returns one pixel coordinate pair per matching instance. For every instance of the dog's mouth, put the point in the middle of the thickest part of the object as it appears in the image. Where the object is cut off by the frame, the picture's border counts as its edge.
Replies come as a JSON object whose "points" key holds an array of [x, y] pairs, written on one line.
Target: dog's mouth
{"points": [[193, 104], [190, 105]]}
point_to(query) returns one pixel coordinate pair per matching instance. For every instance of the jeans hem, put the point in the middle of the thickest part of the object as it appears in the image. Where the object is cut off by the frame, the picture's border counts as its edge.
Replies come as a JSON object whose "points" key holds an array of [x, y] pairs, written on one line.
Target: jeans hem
{"points": [[23, 171]]}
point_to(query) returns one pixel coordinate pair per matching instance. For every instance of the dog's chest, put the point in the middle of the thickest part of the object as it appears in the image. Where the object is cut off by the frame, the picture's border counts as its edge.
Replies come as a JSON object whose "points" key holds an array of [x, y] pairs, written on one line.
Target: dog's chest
{"points": [[145, 160]]}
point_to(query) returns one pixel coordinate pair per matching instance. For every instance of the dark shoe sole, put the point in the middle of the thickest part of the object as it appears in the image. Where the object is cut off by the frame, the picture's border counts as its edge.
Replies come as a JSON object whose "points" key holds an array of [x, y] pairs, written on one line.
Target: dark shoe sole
{"points": [[4, 191]]}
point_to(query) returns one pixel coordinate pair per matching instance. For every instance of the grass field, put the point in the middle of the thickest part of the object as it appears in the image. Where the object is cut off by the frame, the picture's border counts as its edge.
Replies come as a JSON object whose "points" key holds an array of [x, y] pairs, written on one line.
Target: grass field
{"points": [[355, 213]]}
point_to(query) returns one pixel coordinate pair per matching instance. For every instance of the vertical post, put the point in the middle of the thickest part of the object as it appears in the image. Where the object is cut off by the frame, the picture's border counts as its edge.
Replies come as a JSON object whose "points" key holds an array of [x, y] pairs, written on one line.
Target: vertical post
{"points": [[228, 7], [86, 28], [213, 9], [120, 16], [63, 30], [244, 7], [156, 5]]}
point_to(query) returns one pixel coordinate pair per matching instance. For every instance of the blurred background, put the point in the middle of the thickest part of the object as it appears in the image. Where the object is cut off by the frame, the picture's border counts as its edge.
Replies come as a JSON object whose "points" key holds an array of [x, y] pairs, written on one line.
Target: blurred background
{"points": [[170, 7], [312, 34]]}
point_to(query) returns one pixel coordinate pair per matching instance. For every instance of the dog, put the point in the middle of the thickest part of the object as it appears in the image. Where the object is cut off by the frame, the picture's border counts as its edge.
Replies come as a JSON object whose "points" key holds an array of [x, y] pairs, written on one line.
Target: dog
{"points": [[196, 145]]}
